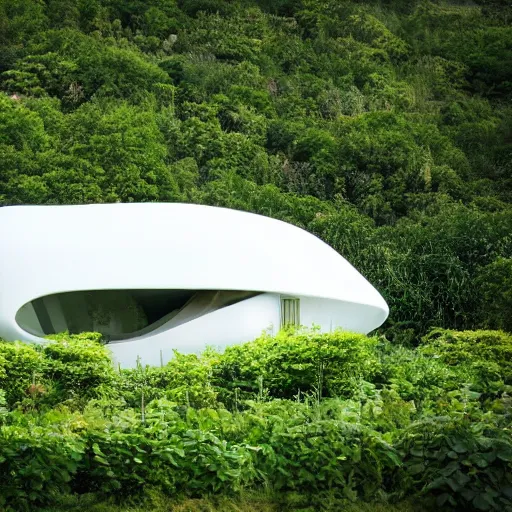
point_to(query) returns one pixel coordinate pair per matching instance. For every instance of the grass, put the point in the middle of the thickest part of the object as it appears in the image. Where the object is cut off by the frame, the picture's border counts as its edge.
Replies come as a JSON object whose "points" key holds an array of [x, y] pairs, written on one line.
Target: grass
{"points": [[251, 502]]}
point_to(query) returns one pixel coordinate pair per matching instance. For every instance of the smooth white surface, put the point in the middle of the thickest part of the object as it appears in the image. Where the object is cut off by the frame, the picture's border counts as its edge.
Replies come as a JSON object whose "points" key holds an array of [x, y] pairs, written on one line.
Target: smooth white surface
{"points": [[241, 322], [53, 249]]}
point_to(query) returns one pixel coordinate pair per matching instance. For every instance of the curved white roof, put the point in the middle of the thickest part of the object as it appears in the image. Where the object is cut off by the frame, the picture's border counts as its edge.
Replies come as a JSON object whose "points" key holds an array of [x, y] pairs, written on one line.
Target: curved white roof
{"points": [[53, 249]]}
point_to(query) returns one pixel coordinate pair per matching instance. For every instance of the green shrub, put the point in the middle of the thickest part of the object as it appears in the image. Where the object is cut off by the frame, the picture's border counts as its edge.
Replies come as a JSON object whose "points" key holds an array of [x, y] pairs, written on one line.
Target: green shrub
{"points": [[464, 462], [21, 365], [495, 289], [415, 376], [159, 448], [312, 448], [79, 366], [478, 349], [185, 379], [401, 421], [37, 463], [331, 364], [68, 367]]}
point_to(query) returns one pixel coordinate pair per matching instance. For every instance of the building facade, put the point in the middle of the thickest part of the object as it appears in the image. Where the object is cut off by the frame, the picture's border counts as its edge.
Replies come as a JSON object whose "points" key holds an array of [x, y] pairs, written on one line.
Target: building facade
{"points": [[155, 277]]}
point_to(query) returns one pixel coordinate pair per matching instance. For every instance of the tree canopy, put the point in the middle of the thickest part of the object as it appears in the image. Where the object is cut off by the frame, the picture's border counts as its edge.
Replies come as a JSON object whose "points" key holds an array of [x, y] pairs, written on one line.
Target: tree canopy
{"points": [[383, 127]]}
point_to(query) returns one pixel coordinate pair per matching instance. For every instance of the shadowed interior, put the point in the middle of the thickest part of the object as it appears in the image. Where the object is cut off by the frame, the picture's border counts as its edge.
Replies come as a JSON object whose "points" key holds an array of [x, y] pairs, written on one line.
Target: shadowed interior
{"points": [[122, 314]]}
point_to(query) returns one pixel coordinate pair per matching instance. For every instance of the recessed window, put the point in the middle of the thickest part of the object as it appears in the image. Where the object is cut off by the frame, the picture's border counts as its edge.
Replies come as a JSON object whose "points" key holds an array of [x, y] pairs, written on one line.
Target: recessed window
{"points": [[121, 314], [290, 312]]}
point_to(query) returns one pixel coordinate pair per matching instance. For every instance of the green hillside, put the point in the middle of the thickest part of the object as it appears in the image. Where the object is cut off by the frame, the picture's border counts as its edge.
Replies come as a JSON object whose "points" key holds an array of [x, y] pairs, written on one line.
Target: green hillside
{"points": [[383, 127]]}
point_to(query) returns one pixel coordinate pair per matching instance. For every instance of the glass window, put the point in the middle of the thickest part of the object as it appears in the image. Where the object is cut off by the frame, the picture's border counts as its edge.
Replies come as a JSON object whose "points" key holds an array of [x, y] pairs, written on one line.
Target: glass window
{"points": [[290, 312], [121, 314]]}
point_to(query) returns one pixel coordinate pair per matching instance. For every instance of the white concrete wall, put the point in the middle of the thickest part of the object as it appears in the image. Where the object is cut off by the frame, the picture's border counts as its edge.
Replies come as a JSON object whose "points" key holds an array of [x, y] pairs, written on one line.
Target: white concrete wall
{"points": [[179, 246], [332, 314], [238, 323]]}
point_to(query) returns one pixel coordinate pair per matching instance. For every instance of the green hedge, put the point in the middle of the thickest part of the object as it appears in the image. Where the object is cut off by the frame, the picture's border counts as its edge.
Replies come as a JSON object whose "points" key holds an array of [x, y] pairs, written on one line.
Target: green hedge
{"points": [[68, 367], [291, 363], [327, 418]]}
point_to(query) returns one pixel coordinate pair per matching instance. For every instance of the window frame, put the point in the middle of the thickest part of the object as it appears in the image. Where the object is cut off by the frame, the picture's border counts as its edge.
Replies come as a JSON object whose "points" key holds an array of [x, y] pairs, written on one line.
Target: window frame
{"points": [[295, 304]]}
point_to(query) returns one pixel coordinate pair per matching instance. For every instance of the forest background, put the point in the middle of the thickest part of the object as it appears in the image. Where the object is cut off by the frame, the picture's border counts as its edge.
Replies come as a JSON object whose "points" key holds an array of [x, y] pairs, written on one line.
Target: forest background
{"points": [[383, 127]]}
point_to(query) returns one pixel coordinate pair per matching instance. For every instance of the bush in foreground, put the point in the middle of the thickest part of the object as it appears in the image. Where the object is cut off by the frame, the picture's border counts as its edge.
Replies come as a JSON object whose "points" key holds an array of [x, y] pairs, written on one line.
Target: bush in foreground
{"points": [[344, 419]]}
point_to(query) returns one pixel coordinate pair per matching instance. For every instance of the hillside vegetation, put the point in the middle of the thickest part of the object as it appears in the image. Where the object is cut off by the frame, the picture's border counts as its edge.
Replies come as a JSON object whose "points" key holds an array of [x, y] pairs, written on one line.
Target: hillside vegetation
{"points": [[384, 128], [303, 421]]}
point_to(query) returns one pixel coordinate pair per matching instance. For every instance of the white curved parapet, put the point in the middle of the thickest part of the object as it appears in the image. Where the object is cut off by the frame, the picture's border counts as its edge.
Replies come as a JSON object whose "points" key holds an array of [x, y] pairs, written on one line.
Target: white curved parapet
{"points": [[159, 276]]}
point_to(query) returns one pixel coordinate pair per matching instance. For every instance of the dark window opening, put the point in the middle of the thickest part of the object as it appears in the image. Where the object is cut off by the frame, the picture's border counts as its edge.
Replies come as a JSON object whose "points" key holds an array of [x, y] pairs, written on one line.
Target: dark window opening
{"points": [[122, 314]]}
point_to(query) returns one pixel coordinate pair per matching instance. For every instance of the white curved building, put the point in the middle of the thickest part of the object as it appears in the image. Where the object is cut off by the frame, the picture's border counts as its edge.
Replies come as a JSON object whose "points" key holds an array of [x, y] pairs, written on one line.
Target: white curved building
{"points": [[155, 277]]}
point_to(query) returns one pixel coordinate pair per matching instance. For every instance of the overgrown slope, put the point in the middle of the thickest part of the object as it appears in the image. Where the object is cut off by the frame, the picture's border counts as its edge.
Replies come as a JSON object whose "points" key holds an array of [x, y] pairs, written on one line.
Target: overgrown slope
{"points": [[383, 127]]}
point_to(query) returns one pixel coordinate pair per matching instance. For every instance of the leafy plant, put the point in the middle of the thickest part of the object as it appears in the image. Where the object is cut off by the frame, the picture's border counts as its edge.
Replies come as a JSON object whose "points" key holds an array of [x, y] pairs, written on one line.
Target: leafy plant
{"points": [[289, 363], [465, 463]]}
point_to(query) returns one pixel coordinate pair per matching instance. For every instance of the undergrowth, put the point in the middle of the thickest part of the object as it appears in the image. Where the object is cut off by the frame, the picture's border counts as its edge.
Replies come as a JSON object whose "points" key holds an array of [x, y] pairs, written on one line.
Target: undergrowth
{"points": [[300, 421]]}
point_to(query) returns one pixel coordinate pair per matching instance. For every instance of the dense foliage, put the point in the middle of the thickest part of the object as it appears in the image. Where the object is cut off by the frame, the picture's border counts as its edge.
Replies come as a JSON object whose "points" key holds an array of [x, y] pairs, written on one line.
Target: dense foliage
{"points": [[319, 420], [382, 127]]}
